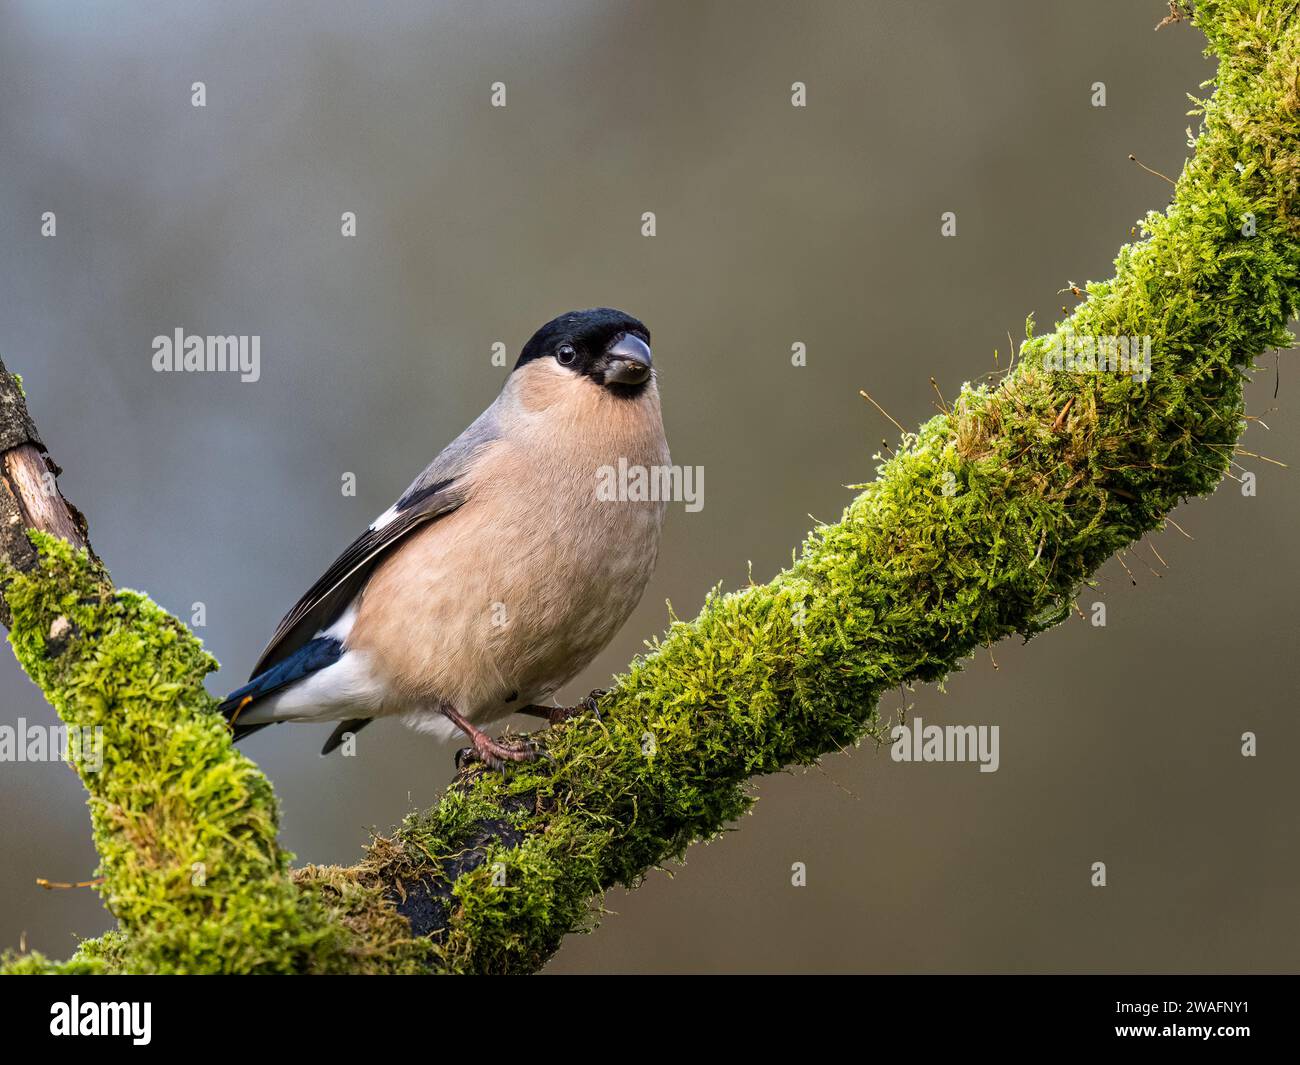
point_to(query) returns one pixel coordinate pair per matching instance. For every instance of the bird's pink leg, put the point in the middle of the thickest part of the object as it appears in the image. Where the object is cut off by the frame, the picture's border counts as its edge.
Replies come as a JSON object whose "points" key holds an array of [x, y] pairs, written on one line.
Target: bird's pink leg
{"points": [[485, 749]]}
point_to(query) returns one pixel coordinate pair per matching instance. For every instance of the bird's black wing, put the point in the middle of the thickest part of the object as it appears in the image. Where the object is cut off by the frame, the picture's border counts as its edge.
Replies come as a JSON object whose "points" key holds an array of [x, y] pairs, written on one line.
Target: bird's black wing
{"points": [[441, 488], [329, 597]]}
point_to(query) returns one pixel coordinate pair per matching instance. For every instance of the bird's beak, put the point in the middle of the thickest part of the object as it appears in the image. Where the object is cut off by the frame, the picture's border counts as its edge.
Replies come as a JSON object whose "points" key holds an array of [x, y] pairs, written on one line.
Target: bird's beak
{"points": [[627, 362]]}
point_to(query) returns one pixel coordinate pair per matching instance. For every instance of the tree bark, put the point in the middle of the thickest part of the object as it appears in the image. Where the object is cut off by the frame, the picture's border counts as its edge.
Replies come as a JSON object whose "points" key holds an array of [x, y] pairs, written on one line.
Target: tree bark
{"points": [[29, 494]]}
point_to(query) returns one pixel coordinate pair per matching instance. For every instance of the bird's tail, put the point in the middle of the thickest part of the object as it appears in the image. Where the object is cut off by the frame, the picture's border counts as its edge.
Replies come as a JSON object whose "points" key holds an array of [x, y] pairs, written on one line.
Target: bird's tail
{"points": [[235, 704], [316, 654]]}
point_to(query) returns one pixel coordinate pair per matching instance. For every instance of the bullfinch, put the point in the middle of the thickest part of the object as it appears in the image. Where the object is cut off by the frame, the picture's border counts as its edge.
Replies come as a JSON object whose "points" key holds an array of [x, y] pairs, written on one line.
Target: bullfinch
{"points": [[500, 573]]}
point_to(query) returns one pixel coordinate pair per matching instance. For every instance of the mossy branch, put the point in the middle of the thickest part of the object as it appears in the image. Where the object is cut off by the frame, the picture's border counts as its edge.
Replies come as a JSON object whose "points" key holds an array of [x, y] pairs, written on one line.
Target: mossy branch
{"points": [[984, 524]]}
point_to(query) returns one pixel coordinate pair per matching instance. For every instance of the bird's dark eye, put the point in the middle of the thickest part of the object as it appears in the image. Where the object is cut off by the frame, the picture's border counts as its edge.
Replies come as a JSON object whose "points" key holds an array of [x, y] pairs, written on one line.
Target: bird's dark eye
{"points": [[565, 355]]}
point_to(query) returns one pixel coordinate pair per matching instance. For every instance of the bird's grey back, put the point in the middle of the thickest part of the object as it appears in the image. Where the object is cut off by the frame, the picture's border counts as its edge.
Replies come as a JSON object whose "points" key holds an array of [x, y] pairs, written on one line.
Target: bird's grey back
{"points": [[454, 461], [441, 488]]}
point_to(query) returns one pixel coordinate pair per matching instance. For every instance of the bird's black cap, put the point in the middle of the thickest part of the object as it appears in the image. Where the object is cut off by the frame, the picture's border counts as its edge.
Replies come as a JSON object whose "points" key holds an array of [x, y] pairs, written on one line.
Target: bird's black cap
{"points": [[589, 332]]}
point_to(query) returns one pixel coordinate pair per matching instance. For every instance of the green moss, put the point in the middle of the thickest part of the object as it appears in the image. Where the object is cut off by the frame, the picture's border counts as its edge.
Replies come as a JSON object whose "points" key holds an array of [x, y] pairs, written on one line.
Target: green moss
{"points": [[184, 824], [1053, 473], [36, 964], [984, 524]]}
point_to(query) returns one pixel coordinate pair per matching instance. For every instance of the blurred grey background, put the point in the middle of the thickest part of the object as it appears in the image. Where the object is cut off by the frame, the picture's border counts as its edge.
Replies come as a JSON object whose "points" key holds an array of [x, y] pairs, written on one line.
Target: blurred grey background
{"points": [[776, 225]]}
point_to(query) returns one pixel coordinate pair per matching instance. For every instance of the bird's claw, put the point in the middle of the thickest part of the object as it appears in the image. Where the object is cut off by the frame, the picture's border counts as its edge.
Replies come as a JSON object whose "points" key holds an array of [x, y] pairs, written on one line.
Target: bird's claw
{"points": [[496, 755], [590, 704]]}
